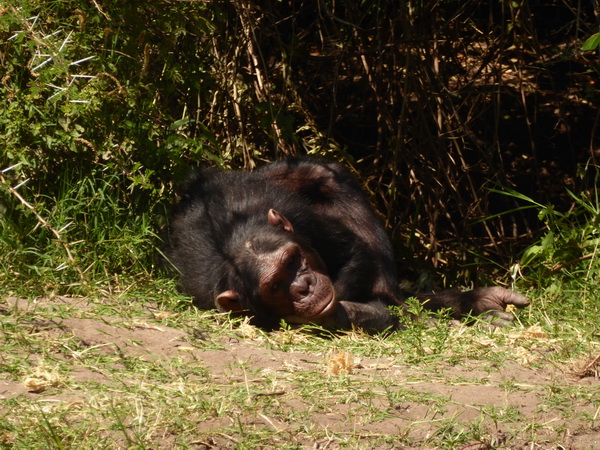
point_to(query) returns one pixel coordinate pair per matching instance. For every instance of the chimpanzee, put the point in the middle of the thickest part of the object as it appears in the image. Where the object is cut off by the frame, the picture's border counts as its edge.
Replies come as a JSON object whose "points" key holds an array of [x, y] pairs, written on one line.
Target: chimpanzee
{"points": [[298, 240]]}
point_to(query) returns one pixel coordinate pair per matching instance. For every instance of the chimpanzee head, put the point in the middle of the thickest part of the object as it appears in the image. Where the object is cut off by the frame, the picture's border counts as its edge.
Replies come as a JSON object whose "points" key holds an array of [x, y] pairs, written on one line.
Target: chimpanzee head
{"points": [[277, 276]]}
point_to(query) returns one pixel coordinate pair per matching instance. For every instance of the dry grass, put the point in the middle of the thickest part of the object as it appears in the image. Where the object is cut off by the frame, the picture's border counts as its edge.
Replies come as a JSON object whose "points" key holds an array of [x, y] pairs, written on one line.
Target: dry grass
{"points": [[118, 372]]}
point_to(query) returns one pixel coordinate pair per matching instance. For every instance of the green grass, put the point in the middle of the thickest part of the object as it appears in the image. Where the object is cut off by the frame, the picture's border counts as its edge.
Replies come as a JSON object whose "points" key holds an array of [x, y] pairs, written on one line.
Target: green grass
{"points": [[210, 380]]}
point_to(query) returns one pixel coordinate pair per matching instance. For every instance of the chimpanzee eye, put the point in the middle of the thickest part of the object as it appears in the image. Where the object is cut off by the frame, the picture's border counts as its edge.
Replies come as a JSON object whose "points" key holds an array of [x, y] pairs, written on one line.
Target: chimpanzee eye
{"points": [[293, 260]]}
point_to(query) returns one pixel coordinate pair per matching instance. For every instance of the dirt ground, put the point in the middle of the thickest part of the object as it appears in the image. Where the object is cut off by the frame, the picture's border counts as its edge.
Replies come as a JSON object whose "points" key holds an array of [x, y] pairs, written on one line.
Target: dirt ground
{"points": [[511, 386]]}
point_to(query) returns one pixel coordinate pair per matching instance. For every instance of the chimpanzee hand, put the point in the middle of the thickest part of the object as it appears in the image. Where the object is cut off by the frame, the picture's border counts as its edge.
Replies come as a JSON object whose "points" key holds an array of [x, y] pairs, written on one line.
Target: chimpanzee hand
{"points": [[491, 302]]}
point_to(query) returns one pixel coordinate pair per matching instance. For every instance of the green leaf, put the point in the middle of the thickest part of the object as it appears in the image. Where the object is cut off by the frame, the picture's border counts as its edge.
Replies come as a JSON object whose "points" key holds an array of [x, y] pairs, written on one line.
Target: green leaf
{"points": [[592, 42], [530, 254], [180, 123]]}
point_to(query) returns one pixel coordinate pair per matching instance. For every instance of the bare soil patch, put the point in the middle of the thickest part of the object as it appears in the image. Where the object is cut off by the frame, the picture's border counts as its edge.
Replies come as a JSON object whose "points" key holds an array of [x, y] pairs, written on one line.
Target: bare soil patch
{"points": [[375, 399]]}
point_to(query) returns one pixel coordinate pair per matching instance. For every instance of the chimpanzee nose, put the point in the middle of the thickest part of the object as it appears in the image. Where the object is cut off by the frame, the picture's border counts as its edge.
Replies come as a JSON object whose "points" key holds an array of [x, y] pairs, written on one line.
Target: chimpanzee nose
{"points": [[301, 286]]}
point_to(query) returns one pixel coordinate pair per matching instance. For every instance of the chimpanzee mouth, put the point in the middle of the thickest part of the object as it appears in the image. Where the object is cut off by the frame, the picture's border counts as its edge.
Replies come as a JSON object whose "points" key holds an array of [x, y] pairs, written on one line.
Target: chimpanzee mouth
{"points": [[327, 309], [330, 305]]}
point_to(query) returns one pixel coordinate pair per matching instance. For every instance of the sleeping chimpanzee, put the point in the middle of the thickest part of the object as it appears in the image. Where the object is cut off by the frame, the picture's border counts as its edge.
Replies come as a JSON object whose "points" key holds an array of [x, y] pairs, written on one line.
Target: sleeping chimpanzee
{"points": [[297, 240]]}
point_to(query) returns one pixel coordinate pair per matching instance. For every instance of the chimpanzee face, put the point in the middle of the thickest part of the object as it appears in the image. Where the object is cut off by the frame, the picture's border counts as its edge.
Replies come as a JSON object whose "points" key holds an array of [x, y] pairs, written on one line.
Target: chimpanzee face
{"points": [[291, 277]]}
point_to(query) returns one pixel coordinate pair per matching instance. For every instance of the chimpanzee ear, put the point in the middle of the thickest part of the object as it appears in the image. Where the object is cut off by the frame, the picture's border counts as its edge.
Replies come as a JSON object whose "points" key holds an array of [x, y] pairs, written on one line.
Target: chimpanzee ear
{"points": [[278, 220], [228, 301]]}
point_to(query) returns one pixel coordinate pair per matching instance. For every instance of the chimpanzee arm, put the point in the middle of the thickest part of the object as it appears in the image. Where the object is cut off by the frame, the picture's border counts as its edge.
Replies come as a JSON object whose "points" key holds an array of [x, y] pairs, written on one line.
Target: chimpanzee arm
{"points": [[373, 316]]}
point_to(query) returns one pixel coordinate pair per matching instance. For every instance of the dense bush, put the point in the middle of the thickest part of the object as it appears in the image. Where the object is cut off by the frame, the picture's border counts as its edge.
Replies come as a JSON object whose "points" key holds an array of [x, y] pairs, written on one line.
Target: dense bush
{"points": [[104, 105]]}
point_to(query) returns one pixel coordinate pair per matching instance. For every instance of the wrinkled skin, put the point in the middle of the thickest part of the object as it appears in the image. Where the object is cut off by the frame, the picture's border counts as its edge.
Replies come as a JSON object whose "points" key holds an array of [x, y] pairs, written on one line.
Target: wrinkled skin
{"points": [[297, 240], [295, 285]]}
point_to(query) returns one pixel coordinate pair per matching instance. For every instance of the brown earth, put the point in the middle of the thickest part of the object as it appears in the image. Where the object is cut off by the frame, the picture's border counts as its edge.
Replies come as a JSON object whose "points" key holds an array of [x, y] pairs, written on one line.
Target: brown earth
{"points": [[471, 391]]}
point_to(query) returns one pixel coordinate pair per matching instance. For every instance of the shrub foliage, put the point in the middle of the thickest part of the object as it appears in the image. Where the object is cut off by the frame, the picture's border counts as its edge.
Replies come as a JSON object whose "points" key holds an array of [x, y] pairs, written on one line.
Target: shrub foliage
{"points": [[105, 105]]}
